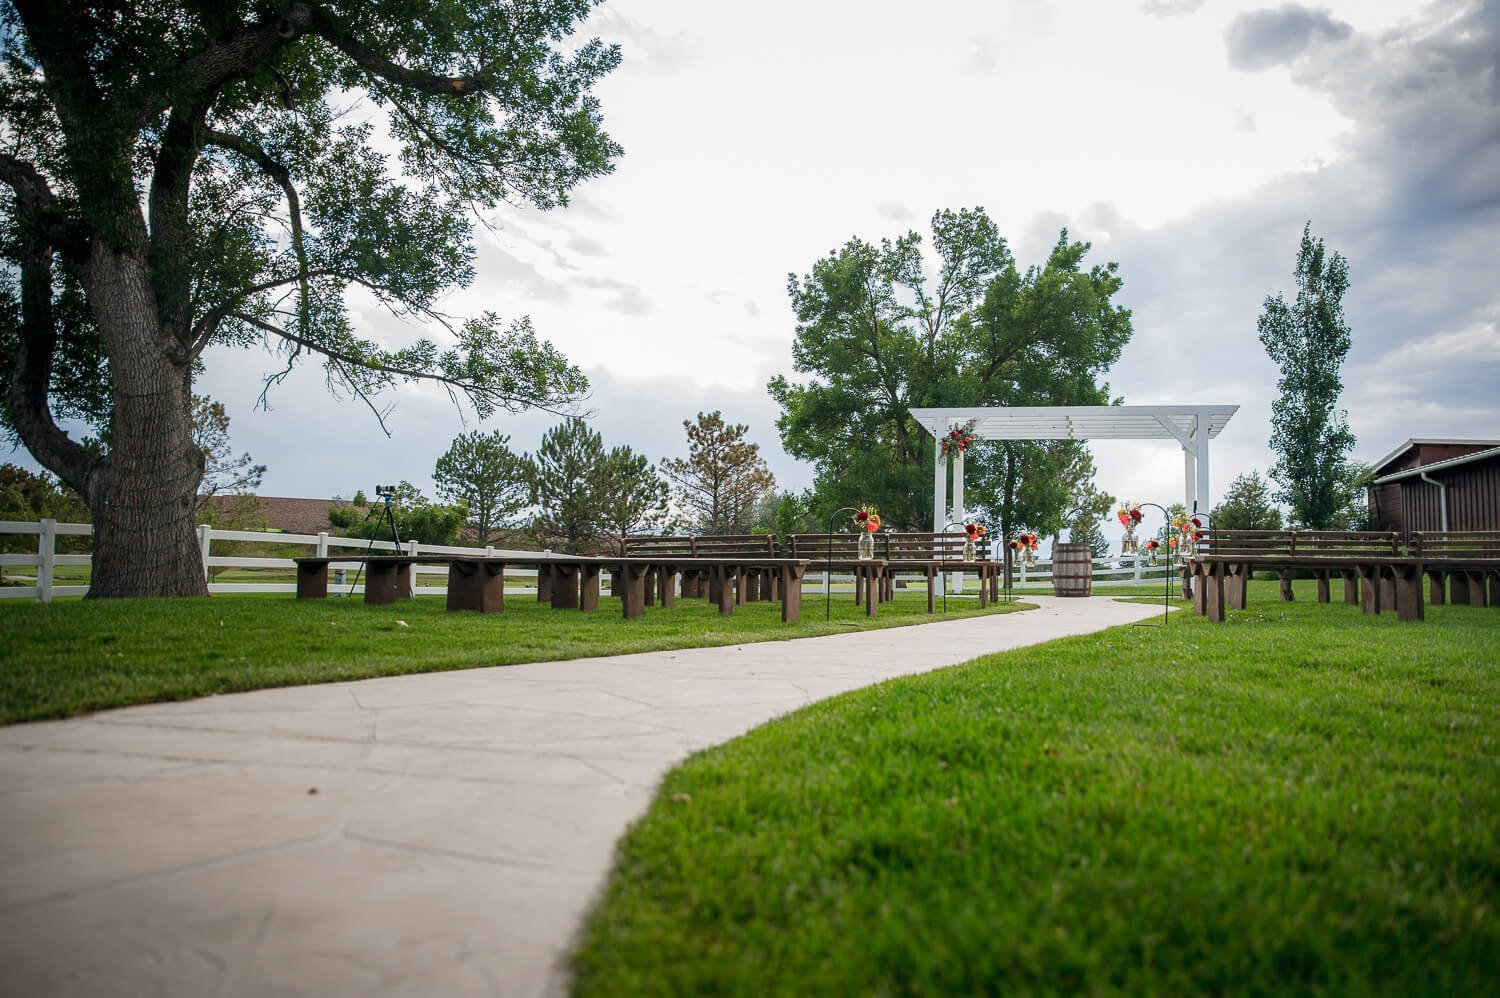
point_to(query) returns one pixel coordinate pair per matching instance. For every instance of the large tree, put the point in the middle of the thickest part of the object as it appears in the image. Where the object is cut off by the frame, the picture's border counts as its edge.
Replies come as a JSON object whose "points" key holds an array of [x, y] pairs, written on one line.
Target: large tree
{"points": [[1246, 505], [206, 173], [1309, 340], [570, 479], [634, 495], [482, 472], [877, 336], [723, 478]]}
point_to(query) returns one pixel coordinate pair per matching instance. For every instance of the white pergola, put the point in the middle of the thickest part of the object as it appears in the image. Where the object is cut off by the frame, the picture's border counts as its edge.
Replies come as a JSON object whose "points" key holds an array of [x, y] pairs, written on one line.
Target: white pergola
{"points": [[1192, 426]]}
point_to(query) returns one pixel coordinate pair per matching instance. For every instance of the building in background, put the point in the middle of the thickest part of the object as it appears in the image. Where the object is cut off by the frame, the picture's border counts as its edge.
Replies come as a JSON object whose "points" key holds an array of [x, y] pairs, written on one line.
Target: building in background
{"points": [[1437, 485]]}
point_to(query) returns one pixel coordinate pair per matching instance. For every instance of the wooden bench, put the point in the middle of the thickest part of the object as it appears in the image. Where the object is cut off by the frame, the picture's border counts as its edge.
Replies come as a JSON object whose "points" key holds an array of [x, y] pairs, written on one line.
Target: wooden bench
{"points": [[1459, 563], [565, 581], [759, 584], [1375, 570], [947, 549], [474, 583]]}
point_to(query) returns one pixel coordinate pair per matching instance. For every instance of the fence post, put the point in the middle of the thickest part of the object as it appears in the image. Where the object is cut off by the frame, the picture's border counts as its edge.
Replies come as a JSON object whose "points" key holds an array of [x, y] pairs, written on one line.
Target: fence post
{"points": [[1137, 567], [1023, 571], [46, 553], [411, 549], [205, 542]]}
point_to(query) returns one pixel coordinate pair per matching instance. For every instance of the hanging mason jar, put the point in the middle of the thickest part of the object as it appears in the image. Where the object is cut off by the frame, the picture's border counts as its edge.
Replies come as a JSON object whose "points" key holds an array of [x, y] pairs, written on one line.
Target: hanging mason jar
{"points": [[969, 549], [1030, 557], [1129, 544], [866, 545]]}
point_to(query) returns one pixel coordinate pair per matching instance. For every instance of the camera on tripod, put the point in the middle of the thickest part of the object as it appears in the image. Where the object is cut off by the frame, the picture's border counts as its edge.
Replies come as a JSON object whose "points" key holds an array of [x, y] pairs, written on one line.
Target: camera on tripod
{"points": [[385, 490]]}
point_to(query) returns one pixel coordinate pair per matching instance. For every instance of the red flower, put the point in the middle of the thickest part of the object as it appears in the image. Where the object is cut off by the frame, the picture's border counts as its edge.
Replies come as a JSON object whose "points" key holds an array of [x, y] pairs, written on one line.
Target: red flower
{"points": [[1152, 545], [1197, 522], [861, 516], [1136, 515]]}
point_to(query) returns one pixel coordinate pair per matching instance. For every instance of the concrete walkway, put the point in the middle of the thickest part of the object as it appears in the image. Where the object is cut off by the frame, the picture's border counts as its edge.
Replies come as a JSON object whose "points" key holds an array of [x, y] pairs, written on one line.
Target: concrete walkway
{"points": [[438, 834]]}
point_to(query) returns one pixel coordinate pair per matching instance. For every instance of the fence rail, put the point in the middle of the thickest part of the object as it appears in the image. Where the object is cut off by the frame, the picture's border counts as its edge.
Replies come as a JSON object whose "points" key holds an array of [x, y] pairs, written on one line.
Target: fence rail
{"points": [[46, 561]]}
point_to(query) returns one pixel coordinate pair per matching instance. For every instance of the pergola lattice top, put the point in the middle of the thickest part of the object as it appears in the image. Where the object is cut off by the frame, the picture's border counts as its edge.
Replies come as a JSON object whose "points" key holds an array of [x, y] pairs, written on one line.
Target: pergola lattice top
{"points": [[1190, 425], [1080, 422]]}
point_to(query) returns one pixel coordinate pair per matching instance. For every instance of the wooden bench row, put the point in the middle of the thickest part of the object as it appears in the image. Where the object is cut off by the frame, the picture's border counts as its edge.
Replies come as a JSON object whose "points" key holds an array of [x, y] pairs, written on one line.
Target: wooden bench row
{"points": [[566, 581], [1380, 569]]}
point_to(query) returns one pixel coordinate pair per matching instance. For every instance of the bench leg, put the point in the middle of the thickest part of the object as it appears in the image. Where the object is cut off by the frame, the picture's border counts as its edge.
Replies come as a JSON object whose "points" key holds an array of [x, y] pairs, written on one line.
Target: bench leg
{"points": [[1235, 588], [1494, 578], [789, 582], [588, 594], [312, 581], [1387, 589], [477, 584], [1200, 590], [1408, 587], [1187, 582], [872, 605], [725, 578], [544, 584], [667, 580], [1369, 591], [1351, 588], [633, 582], [1435, 588], [380, 583], [1286, 586], [564, 587], [1458, 588], [1323, 595], [1211, 586], [932, 591]]}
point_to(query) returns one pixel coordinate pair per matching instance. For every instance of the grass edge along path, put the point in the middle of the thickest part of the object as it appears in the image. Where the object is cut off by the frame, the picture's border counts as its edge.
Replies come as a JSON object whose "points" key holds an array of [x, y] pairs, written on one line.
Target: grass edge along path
{"points": [[71, 657], [1302, 799]]}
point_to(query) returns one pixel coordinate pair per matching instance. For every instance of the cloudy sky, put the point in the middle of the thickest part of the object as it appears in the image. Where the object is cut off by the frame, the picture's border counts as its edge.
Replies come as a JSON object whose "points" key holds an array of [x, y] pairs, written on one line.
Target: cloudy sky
{"points": [[1189, 140]]}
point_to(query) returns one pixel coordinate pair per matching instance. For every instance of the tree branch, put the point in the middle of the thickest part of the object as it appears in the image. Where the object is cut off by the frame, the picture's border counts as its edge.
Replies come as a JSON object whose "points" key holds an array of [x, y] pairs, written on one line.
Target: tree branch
{"points": [[283, 177], [325, 25], [38, 210], [31, 381], [338, 357]]}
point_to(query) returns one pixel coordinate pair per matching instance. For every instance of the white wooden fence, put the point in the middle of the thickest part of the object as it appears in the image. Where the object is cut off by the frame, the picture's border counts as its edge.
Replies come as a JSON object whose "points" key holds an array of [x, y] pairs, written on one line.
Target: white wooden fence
{"points": [[321, 545], [46, 560]]}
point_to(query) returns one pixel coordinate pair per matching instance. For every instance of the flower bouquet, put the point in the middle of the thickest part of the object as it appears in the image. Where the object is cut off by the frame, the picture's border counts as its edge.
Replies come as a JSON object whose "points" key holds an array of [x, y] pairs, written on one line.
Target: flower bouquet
{"points": [[973, 532], [958, 439], [867, 521], [1130, 517], [1152, 546]]}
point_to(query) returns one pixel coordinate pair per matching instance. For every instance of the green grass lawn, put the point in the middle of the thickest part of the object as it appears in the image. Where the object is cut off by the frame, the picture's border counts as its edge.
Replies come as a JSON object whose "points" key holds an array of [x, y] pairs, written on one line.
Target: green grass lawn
{"points": [[73, 656], [1301, 800]]}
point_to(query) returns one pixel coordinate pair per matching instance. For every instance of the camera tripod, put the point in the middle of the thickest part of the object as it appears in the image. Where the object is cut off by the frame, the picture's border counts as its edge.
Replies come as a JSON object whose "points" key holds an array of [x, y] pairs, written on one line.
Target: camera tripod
{"points": [[382, 513]]}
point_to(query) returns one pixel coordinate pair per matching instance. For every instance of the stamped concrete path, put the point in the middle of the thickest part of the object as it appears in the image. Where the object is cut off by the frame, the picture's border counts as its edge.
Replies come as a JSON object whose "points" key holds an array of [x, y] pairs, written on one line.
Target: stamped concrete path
{"points": [[438, 834]]}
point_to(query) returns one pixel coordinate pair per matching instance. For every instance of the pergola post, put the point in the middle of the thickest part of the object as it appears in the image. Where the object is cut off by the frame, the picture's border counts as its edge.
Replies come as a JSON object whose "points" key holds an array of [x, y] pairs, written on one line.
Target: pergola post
{"points": [[957, 578], [939, 490]]}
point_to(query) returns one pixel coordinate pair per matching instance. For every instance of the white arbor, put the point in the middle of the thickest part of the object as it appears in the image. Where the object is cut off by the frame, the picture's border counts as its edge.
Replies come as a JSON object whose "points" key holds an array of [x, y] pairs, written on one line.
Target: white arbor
{"points": [[1192, 426]]}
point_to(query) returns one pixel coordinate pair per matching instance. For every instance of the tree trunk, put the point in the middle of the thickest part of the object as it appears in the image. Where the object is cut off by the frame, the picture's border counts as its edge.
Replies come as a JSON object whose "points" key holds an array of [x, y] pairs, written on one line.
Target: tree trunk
{"points": [[143, 495]]}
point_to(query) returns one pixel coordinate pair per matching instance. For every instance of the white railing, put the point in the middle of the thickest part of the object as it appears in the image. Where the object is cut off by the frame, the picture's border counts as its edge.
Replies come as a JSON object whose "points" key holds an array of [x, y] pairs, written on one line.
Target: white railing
{"points": [[321, 545], [46, 560]]}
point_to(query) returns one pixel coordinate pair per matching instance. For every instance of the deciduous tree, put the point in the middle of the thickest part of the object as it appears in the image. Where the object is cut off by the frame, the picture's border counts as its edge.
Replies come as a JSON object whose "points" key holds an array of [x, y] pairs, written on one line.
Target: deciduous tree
{"points": [[877, 337], [482, 472], [194, 174], [1309, 340], [723, 477], [1246, 506], [413, 515]]}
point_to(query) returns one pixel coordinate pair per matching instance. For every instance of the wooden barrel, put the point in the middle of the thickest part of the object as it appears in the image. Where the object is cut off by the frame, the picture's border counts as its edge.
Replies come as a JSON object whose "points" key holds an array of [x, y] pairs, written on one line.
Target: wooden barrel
{"points": [[1072, 569]]}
